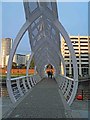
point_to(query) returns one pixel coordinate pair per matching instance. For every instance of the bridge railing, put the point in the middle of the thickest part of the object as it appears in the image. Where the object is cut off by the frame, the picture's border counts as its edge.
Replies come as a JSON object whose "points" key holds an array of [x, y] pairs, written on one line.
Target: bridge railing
{"points": [[68, 86], [21, 85]]}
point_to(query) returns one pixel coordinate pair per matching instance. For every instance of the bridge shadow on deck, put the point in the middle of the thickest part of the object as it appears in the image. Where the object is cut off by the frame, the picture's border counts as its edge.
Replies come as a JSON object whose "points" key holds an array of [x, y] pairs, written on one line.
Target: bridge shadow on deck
{"points": [[42, 102]]}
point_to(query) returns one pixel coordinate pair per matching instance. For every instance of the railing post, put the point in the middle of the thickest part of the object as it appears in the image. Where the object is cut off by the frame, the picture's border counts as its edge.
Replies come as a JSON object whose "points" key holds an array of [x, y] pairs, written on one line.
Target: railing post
{"points": [[28, 82], [18, 85], [23, 80]]}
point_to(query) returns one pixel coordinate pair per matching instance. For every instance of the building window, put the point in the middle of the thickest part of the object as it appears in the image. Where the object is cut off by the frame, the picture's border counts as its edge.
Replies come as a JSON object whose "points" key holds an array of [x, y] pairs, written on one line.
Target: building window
{"points": [[84, 49], [83, 45], [78, 65], [66, 52], [75, 45], [84, 65], [74, 42], [85, 71], [67, 71], [74, 38], [77, 56], [66, 56], [75, 49], [66, 60], [66, 49], [72, 65], [84, 56], [83, 38], [84, 53], [83, 41], [84, 61], [67, 65]]}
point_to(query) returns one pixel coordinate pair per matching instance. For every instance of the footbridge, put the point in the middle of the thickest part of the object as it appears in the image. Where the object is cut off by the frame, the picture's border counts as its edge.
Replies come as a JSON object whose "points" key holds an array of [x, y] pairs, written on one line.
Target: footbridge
{"points": [[37, 95]]}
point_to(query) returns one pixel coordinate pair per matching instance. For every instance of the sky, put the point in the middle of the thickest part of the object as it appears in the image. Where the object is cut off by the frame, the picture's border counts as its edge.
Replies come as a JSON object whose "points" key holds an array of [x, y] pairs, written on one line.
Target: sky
{"points": [[73, 16]]}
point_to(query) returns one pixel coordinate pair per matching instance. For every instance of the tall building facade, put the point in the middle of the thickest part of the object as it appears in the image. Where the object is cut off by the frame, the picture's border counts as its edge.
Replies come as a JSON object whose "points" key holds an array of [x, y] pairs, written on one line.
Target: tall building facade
{"points": [[81, 45], [6, 46]]}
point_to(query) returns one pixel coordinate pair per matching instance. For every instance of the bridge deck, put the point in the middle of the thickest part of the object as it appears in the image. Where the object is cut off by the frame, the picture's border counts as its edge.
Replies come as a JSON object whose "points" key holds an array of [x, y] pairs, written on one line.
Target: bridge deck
{"points": [[42, 102]]}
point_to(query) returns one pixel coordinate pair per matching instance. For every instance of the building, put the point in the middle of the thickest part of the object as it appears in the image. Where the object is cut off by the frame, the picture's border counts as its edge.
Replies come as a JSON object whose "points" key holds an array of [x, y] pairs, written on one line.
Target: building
{"points": [[81, 46], [6, 45], [19, 59]]}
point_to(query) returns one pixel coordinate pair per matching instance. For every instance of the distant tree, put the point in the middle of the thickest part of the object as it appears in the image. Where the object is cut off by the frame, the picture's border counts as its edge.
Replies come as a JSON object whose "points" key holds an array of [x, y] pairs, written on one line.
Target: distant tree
{"points": [[14, 65], [32, 64], [22, 66]]}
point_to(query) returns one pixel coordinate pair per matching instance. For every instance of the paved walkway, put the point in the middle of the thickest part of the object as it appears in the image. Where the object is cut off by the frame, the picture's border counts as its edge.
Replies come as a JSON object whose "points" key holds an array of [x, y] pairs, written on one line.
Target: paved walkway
{"points": [[42, 102]]}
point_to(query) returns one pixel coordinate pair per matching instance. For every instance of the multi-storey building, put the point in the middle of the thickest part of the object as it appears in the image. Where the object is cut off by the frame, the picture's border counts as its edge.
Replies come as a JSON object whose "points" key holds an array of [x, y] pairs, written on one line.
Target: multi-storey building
{"points": [[81, 45], [6, 46], [19, 59]]}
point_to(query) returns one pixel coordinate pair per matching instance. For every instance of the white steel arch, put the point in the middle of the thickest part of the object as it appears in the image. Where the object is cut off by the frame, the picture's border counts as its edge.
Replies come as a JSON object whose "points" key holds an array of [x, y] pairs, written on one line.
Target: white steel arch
{"points": [[40, 33]]}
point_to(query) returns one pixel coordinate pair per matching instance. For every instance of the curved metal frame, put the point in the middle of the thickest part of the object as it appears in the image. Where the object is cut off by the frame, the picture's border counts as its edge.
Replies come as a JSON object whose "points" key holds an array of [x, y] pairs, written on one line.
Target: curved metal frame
{"points": [[22, 31], [59, 54], [12, 52], [63, 32]]}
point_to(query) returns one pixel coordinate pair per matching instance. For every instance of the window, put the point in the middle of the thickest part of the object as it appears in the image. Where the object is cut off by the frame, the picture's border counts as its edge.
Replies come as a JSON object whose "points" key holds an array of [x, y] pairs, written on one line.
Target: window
{"points": [[83, 41], [84, 65], [66, 60], [84, 60], [85, 49], [74, 38], [83, 38], [84, 45], [84, 56], [74, 42], [85, 71], [75, 49], [67, 65], [66, 56], [71, 65], [66, 52], [67, 69], [78, 65], [84, 53], [66, 49], [77, 56], [75, 45]]}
